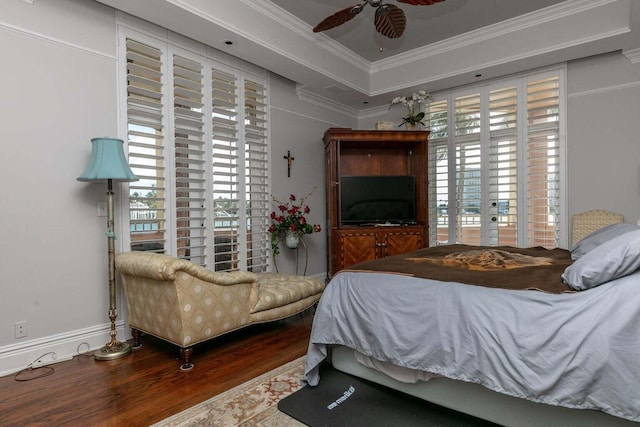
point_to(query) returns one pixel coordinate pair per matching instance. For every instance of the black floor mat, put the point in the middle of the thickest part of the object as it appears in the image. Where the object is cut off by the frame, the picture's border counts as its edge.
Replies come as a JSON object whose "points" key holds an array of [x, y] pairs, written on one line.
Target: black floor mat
{"points": [[344, 400]]}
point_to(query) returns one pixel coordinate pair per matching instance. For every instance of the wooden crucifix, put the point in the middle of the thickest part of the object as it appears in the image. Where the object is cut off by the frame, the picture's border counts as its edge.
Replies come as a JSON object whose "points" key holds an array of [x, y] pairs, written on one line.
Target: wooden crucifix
{"points": [[289, 162]]}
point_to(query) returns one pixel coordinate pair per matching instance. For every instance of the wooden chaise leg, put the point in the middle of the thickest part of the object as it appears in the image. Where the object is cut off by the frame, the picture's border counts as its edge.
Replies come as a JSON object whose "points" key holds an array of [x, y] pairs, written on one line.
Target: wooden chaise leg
{"points": [[136, 339], [186, 354]]}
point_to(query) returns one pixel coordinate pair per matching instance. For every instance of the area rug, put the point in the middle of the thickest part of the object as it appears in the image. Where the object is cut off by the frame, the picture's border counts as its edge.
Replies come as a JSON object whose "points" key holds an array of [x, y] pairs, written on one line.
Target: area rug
{"points": [[253, 403], [279, 399]]}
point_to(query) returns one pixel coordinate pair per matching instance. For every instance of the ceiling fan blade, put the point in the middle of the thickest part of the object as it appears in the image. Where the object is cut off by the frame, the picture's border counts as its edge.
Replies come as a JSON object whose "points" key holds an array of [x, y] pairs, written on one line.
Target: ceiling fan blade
{"points": [[338, 18], [390, 21], [420, 2]]}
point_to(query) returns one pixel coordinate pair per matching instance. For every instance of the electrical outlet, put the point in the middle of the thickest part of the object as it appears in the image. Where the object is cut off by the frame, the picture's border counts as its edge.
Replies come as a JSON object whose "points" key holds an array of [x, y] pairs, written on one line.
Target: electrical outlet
{"points": [[101, 207], [20, 329]]}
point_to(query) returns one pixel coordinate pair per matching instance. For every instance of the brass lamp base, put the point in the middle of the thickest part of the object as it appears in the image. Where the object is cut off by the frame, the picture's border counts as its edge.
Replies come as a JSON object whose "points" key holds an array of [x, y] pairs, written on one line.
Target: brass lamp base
{"points": [[113, 350]]}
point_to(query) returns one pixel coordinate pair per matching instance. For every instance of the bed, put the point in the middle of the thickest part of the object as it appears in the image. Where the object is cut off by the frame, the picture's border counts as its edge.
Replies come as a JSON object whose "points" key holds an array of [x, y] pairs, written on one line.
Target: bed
{"points": [[519, 354]]}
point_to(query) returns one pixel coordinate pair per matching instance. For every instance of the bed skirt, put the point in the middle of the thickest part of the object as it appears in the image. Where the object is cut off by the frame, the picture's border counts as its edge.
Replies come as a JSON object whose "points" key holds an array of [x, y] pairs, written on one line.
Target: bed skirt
{"points": [[476, 400]]}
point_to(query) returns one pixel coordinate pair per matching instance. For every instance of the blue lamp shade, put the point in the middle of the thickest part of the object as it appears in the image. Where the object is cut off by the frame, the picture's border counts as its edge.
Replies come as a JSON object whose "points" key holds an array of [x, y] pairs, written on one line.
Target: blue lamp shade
{"points": [[107, 162]]}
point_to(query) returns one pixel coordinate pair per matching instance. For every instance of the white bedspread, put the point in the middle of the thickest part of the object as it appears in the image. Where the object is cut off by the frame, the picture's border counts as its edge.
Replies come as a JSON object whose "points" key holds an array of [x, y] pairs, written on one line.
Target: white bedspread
{"points": [[578, 350]]}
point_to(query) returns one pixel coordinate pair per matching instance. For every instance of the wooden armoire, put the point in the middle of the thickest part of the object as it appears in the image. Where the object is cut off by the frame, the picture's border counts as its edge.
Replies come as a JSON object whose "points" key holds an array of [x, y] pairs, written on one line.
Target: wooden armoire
{"points": [[369, 152]]}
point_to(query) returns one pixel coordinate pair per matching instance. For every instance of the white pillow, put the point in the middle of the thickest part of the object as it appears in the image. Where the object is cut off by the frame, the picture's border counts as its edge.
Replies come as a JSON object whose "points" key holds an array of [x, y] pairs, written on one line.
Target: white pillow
{"points": [[615, 258], [599, 237]]}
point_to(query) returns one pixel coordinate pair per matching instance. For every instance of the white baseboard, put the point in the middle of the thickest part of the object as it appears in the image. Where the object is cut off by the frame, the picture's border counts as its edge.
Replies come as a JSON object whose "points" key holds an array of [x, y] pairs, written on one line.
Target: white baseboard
{"points": [[56, 348]]}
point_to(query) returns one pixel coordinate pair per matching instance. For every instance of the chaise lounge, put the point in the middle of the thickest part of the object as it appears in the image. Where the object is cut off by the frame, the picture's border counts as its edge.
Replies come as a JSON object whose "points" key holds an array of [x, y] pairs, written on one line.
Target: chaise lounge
{"points": [[185, 304]]}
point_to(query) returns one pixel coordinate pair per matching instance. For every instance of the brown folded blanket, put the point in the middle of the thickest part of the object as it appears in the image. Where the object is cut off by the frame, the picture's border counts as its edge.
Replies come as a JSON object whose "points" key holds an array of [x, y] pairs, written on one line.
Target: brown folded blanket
{"points": [[492, 266]]}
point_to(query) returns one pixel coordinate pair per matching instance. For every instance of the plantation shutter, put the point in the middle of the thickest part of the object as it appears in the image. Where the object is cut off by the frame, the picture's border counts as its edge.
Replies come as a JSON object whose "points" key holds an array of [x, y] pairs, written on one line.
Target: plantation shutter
{"points": [[543, 160], [189, 158], [437, 118], [257, 174], [468, 179], [503, 162], [495, 164], [225, 168], [148, 209], [197, 136]]}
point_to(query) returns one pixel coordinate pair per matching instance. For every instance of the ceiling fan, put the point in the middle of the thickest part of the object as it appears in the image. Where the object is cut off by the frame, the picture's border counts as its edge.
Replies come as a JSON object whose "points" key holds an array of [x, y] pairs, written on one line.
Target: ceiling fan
{"points": [[390, 20]]}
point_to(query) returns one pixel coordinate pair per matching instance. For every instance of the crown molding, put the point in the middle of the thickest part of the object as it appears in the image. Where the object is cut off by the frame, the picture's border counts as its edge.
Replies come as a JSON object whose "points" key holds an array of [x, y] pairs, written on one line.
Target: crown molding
{"points": [[58, 41], [320, 101], [285, 23], [529, 20], [302, 29], [620, 87]]}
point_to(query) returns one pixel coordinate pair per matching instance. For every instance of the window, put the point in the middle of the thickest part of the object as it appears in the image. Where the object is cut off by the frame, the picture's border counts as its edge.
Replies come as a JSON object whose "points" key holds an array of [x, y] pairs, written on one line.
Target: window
{"points": [[495, 164], [197, 139]]}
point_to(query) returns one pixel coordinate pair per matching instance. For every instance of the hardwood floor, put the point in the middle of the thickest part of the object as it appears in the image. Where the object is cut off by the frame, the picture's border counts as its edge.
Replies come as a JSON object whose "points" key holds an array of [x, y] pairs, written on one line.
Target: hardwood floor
{"points": [[147, 386]]}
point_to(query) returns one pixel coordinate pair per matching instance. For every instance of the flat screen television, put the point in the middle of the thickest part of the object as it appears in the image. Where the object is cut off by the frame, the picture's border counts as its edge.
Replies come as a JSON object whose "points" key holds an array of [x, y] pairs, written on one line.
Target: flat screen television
{"points": [[377, 199]]}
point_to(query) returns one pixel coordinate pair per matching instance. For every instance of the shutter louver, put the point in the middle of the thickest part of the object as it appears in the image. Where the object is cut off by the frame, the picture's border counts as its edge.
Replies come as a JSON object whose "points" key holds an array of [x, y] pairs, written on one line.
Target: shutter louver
{"points": [[146, 145], [188, 121], [225, 169], [468, 169], [257, 175], [503, 172], [543, 161]]}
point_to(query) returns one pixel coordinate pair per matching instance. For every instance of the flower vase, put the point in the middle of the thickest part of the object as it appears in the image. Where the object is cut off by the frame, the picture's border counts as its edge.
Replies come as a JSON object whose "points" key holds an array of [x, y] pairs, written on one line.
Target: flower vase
{"points": [[410, 126], [292, 240]]}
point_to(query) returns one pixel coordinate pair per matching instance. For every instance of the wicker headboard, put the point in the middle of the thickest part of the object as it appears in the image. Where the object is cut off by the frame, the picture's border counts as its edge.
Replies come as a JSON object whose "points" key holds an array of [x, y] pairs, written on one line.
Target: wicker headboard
{"points": [[587, 222]]}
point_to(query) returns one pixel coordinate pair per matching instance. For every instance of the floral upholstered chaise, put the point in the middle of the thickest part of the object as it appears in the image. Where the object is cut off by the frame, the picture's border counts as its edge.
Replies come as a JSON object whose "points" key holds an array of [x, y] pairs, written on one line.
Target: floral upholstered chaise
{"points": [[185, 304]]}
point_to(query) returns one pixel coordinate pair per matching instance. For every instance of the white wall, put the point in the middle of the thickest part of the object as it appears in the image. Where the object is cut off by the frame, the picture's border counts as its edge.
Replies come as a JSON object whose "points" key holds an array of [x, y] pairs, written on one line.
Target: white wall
{"points": [[299, 127], [57, 80], [58, 86], [603, 146]]}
